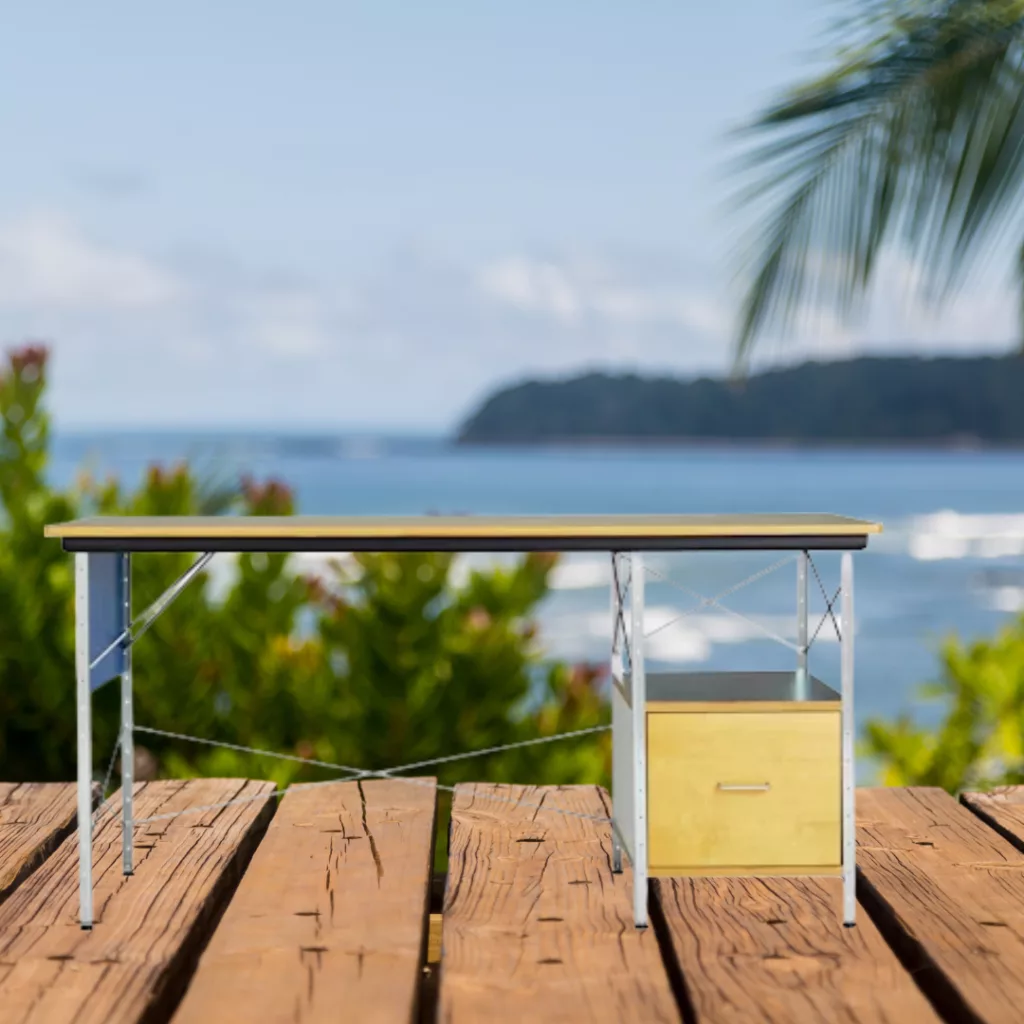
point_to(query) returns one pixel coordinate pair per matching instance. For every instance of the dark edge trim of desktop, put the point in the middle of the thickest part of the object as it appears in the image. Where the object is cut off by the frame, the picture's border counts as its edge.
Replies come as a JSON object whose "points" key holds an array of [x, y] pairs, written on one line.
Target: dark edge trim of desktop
{"points": [[851, 542]]}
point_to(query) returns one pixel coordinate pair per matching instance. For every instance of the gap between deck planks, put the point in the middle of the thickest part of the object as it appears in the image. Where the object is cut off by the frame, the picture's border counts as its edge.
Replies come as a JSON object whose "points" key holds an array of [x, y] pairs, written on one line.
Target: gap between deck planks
{"points": [[149, 927], [329, 921], [948, 893], [1001, 809], [536, 926], [34, 818], [775, 950]]}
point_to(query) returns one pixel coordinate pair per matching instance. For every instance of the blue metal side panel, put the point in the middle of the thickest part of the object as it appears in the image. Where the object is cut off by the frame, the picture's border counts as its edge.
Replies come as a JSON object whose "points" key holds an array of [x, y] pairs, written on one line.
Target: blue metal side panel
{"points": [[106, 616]]}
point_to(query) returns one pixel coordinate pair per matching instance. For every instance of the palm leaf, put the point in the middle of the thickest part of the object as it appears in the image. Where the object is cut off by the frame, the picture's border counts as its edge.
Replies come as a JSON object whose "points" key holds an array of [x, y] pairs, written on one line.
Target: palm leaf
{"points": [[914, 139]]}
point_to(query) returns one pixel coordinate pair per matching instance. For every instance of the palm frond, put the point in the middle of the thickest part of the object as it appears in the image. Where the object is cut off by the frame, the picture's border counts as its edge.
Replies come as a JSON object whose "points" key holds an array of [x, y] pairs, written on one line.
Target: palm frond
{"points": [[914, 138]]}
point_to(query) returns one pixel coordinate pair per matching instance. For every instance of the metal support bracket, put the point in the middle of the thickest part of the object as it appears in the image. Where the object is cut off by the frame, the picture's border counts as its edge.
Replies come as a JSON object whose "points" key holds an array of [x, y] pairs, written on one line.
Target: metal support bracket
{"points": [[131, 632]]}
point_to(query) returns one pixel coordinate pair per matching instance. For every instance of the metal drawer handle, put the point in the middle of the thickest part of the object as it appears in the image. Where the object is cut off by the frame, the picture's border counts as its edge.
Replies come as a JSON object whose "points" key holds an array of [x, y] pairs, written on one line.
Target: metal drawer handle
{"points": [[761, 787]]}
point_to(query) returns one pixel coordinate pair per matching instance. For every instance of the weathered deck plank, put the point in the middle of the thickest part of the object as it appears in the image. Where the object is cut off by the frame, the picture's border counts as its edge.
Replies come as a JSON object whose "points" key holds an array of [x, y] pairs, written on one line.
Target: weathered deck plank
{"points": [[148, 927], [330, 919], [775, 950], [536, 926], [34, 818], [1002, 809], [331, 915], [948, 893]]}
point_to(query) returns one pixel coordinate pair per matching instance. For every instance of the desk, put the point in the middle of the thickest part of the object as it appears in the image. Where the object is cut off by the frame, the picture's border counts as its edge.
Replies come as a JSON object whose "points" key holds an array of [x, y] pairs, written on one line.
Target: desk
{"points": [[105, 629]]}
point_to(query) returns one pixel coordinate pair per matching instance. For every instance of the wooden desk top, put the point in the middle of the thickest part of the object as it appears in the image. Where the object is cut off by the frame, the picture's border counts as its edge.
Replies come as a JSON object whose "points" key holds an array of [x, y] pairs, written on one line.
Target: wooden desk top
{"points": [[462, 533]]}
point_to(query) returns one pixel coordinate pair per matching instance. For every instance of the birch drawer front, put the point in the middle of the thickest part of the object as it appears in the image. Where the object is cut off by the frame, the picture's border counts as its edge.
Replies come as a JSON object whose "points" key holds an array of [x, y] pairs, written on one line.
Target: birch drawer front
{"points": [[744, 790]]}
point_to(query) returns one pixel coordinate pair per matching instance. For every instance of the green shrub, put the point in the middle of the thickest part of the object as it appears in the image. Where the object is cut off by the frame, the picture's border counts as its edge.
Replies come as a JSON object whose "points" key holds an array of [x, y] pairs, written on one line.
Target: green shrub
{"points": [[980, 741]]}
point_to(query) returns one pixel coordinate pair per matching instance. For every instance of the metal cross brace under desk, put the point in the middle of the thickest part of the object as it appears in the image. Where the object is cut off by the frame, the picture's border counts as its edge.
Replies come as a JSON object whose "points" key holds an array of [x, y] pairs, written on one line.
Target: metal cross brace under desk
{"points": [[104, 631]]}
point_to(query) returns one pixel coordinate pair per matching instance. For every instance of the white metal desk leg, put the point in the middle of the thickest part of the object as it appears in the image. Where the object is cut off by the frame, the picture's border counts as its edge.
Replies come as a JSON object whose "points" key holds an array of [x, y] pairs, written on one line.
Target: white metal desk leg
{"points": [[638, 678], [83, 703], [849, 766], [617, 751], [127, 723]]}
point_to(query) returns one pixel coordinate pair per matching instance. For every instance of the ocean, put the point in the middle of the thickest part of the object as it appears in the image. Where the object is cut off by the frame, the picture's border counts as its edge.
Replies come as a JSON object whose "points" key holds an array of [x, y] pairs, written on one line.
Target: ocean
{"points": [[951, 558]]}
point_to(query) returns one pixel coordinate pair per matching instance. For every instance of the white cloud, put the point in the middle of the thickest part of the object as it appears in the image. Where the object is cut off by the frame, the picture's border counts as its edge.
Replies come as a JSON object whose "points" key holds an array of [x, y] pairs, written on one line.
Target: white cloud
{"points": [[983, 313], [288, 322], [899, 318], [57, 280], [572, 290], [646, 300], [46, 261], [412, 340], [536, 287]]}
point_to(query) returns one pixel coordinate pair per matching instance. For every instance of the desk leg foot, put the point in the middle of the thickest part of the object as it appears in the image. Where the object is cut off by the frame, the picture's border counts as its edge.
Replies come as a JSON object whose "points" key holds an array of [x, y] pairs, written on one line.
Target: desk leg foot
{"points": [[616, 855]]}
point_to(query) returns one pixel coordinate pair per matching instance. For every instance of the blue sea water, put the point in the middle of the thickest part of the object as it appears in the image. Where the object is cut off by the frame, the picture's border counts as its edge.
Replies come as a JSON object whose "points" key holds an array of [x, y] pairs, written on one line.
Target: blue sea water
{"points": [[951, 558]]}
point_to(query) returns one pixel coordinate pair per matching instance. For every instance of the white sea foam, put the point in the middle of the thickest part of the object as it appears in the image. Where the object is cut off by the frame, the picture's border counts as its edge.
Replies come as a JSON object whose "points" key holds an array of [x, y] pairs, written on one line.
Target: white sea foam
{"points": [[362, 448], [1005, 599], [576, 635], [587, 573], [664, 626], [952, 535]]}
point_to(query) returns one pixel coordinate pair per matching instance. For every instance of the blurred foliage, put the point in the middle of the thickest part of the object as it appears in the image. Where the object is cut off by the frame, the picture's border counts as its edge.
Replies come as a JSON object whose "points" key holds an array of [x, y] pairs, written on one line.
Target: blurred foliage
{"points": [[980, 741], [37, 717], [384, 660]]}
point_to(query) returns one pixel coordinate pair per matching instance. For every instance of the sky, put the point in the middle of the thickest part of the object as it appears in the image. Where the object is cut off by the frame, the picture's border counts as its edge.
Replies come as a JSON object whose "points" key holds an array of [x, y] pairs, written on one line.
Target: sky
{"points": [[369, 215]]}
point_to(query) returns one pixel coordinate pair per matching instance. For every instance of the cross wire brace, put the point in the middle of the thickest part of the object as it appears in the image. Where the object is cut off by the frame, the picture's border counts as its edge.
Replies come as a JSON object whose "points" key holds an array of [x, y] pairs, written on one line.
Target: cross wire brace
{"points": [[829, 606]]}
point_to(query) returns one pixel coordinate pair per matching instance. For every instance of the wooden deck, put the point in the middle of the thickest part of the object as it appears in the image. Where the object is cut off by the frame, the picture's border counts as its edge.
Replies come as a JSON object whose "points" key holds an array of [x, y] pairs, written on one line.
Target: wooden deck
{"points": [[321, 907]]}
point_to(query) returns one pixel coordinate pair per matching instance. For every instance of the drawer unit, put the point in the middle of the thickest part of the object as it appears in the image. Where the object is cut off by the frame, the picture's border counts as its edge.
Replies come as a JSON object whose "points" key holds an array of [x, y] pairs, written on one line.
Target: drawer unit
{"points": [[746, 782]]}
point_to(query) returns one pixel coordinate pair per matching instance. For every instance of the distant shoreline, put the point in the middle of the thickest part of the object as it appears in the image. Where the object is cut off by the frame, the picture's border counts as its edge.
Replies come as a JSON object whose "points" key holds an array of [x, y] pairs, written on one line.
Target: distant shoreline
{"points": [[334, 444], [774, 444]]}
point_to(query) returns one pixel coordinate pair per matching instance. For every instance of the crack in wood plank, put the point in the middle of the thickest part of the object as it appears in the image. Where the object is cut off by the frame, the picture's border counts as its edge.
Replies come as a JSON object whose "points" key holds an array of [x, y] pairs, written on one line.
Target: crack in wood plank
{"points": [[369, 835], [528, 934], [320, 926]]}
